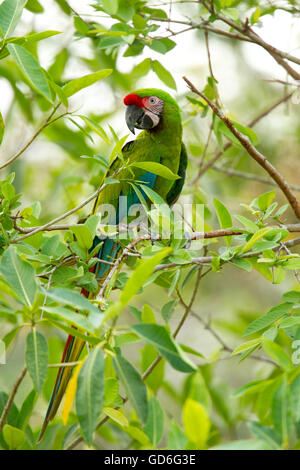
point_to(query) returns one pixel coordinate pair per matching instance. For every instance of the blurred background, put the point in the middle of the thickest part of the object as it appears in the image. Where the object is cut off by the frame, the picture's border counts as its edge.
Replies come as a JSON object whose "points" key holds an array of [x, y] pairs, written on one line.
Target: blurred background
{"points": [[52, 172]]}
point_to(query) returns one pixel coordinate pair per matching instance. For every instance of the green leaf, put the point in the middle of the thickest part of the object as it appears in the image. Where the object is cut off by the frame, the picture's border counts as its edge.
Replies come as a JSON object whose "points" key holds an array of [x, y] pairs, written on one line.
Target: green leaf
{"points": [[282, 412], [111, 391], [242, 444], [10, 14], [255, 238], [31, 69], [134, 386], [81, 26], [159, 337], [2, 127], [248, 132], [8, 190], [189, 350], [13, 414], [161, 206], [176, 439], [148, 315], [278, 354], [138, 435], [90, 393], [9, 337], [83, 235], [196, 422], [250, 226], [78, 84], [263, 201], [34, 6], [139, 22], [20, 276], [26, 409], [94, 126], [168, 310], [36, 358], [245, 346], [71, 317], [293, 263], [162, 45], [126, 338], [252, 387], [155, 380], [50, 245], [292, 296], [33, 37], [241, 263], [140, 275], [255, 15], [117, 416], [73, 298], [295, 397], [111, 6], [265, 434], [154, 427], [141, 69], [270, 317], [157, 169], [224, 217], [14, 437], [163, 74]]}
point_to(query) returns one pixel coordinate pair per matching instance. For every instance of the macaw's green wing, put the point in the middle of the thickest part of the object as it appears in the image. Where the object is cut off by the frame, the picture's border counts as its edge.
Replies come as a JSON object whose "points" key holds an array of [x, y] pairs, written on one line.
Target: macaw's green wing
{"points": [[175, 190], [117, 199]]}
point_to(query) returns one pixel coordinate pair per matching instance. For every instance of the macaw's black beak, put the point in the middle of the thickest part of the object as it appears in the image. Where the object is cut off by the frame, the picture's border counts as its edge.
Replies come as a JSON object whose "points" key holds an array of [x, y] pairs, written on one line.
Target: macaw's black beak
{"points": [[136, 117], [133, 116]]}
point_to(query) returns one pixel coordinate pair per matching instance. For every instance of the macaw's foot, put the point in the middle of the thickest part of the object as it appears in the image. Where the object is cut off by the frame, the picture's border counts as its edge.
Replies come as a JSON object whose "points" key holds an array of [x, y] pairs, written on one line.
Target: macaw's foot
{"points": [[188, 238]]}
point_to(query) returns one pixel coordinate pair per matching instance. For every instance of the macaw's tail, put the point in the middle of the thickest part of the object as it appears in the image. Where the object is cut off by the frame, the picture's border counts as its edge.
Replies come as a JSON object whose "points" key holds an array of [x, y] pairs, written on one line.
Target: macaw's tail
{"points": [[74, 346], [71, 353]]}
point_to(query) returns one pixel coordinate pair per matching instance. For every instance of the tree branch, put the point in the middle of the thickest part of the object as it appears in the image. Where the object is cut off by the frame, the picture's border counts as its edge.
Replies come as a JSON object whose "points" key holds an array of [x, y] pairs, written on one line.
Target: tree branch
{"points": [[252, 151], [250, 176], [252, 123]]}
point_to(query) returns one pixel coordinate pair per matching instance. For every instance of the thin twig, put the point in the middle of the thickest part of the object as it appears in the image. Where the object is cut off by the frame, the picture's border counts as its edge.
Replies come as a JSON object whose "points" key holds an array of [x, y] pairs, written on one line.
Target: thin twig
{"points": [[245, 30], [11, 398], [250, 176], [40, 129], [225, 347]]}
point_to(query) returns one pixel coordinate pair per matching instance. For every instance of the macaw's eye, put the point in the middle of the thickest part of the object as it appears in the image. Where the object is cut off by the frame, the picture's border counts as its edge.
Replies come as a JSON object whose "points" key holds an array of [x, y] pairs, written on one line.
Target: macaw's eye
{"points": [[152, 100]]}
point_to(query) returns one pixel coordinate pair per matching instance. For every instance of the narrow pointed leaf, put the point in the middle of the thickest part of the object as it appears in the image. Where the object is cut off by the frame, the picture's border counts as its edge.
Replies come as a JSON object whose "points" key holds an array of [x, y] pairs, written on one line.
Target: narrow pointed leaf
{"points": [[159, 337], [10, 14], [78, 84], [31, 69], [134, 386], [20, 276], [154, 428], [90, 393], [37, 358]]}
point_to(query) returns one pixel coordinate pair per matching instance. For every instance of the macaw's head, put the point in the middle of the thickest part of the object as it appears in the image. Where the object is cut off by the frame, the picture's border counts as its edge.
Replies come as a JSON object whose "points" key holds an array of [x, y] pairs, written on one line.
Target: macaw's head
{"points": [[145, 108]]}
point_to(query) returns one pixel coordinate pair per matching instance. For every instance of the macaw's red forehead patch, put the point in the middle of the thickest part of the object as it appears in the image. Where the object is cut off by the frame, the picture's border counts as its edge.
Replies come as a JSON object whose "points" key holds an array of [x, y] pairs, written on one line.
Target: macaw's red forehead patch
{"points": [[133, 100]]}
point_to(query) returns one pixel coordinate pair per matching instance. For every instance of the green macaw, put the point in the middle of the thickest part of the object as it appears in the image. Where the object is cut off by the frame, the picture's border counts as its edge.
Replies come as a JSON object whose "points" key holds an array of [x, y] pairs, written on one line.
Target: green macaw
{"points": [[158, 114]]}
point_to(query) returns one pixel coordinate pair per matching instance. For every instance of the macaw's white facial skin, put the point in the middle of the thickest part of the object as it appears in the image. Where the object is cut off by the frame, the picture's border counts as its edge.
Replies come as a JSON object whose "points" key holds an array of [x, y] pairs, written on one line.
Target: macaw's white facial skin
{"points": [[153, 108], [143, 113]]}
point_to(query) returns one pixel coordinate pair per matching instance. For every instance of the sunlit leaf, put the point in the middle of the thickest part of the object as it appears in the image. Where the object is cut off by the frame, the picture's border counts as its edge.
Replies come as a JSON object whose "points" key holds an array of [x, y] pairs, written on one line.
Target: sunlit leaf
{"points": [[90, 393], [37, 358], [31, 69], [78, 84]]}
